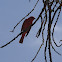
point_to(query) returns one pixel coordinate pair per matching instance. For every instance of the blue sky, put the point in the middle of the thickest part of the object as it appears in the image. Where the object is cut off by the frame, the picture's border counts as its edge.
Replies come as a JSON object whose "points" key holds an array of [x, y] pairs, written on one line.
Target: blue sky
{"points": [[11, 12]]}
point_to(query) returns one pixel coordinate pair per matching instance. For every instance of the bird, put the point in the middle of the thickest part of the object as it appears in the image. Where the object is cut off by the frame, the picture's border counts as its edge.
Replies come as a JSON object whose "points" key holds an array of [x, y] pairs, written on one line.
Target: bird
{"points": [[26, 26]]}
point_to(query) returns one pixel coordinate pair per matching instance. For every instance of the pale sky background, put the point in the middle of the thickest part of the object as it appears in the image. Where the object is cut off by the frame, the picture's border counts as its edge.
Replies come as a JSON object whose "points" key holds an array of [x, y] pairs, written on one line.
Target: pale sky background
{"points": [[11, 12]]}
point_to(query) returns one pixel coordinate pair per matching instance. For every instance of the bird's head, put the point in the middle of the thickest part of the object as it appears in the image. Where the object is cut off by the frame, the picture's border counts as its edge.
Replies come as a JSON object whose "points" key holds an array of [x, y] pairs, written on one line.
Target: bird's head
{"points": [[31, 18]]}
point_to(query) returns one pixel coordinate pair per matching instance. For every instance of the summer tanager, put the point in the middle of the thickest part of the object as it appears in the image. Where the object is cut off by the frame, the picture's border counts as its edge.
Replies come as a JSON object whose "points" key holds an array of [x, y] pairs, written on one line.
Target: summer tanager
{"points": [[26, 27]]}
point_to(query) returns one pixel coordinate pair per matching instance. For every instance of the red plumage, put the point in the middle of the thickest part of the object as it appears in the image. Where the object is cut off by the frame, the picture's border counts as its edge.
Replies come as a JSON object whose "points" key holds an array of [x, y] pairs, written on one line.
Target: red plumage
{"points": [[26, 27]]}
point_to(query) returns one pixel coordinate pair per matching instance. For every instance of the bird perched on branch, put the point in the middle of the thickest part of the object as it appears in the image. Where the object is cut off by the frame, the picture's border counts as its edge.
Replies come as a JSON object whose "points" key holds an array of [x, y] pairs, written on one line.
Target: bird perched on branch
{"points": [[26, 27]]}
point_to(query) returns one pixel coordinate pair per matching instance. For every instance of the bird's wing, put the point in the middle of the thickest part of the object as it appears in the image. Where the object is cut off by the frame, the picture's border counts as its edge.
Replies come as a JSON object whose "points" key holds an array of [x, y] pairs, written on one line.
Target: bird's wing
{"points": [[24, 26], [28, 32]]}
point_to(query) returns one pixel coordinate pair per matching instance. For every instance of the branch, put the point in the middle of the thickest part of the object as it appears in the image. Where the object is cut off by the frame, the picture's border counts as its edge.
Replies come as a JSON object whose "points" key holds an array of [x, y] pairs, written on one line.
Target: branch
{"points": [[45, 52], [11, 40], [53, 30], [55, 14], [55, 49], [43, 39], [42, 21], [49, 33], [37, 52], [38, 33]]}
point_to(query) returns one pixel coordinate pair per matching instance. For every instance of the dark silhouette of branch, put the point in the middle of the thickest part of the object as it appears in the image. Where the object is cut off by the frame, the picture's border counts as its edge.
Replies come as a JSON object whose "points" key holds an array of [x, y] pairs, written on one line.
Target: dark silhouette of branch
{"points": [[55, 49], [42, 35], [38, 33], [54, 6], [42, 22], [37, 52], [42, 42], [55, 13], [45, 52], [49, 27], [53, 30], [49, 33], [11, 40], [49, 30]]}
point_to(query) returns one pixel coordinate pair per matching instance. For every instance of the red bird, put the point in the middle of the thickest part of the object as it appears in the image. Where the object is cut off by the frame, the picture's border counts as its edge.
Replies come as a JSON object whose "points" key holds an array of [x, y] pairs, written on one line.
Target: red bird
{"points": [[25, 26]]}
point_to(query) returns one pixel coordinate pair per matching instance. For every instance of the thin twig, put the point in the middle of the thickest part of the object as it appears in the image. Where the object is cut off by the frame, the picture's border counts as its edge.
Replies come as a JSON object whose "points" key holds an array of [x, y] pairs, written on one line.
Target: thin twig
{"points": [[37, 52], [45, 52], [39, 31], [55, 49], [53, 29], [11, 40], [55, 14]]}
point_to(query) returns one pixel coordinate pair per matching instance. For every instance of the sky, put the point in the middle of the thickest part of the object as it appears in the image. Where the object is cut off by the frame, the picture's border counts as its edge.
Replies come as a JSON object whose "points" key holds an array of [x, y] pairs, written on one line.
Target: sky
{"points": [[11, 12]]}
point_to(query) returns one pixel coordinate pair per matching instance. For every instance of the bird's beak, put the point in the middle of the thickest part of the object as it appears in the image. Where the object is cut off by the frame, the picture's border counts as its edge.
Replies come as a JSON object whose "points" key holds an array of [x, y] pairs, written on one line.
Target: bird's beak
{"points": [[34, 18]]}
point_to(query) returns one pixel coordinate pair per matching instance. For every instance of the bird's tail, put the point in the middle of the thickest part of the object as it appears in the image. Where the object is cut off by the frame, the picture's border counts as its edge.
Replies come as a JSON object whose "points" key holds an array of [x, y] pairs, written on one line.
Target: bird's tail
{"points": [[21, 40]]}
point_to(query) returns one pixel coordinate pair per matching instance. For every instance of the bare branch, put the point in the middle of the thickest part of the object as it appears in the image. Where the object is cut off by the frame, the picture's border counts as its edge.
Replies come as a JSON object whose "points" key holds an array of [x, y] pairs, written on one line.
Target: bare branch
{"points": [[38, 33], [11, 40], [55, 49], [45, 52], [37, 52], [55, 13], [43, 39], [53, 29]]}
